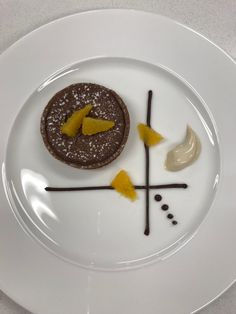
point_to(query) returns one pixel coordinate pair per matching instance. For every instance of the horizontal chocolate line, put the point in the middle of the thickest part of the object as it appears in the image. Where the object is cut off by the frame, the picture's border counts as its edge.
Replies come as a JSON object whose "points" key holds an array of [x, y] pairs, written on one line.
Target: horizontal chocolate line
{"points": [[108, 187]]}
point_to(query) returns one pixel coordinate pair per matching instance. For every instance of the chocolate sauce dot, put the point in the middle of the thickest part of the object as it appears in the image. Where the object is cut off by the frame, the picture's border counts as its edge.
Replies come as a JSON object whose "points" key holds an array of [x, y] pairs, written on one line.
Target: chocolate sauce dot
{"points": [[174, 222], [170, 216], [158, 197], [164, 207]]}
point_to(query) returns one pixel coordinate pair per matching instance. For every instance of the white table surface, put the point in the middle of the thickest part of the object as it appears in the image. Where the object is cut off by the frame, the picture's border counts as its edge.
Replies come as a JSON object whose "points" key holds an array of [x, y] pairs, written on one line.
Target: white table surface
{"points": [[215, 19]]}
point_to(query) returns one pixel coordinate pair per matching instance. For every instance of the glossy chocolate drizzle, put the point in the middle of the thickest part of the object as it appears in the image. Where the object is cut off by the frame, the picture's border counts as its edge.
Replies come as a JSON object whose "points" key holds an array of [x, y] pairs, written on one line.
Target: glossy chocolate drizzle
{"points": [[147, 166], [108, 187]]}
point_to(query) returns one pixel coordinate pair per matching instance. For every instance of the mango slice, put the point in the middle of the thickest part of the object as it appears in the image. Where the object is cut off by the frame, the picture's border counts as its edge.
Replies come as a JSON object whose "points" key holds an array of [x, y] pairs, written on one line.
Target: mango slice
{"points": [[122, 184], [74, 122], [92, 126], [148, 135]]}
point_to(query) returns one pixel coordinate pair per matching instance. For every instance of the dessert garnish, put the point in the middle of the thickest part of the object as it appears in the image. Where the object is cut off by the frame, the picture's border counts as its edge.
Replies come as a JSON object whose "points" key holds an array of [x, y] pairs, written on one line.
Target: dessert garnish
{"points": [[109, 187], [149, 136], [165, 208], [185, 153], [158, 197], [74, 122], [92, 126], [123, 184], [147, 166]]}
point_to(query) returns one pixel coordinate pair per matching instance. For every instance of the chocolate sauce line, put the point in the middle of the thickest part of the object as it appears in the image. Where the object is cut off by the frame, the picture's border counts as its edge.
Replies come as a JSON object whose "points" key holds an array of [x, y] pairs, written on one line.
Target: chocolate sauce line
{"points": [[147, 166], [108, 187], [149, 107]]}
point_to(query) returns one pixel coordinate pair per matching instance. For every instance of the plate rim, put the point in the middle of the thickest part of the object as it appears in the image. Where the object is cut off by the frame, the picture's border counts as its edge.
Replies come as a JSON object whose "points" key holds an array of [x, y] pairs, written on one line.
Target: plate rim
{"points": [[14, 45]]}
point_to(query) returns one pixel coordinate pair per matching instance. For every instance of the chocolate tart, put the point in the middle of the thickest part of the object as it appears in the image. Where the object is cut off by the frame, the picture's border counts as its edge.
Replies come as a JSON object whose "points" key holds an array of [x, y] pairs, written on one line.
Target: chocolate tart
{"points": [[83, 151]]}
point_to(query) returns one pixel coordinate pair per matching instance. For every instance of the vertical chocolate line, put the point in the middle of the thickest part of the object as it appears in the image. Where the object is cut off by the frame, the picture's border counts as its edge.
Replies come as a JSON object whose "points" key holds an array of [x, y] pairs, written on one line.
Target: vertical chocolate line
{"points": [[147, 218], [149, 107], [147, 166]]}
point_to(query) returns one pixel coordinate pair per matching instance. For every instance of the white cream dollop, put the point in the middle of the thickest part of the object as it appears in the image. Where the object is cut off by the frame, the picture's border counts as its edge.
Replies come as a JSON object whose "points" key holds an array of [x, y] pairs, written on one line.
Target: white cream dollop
{"points": [[185, 153]]}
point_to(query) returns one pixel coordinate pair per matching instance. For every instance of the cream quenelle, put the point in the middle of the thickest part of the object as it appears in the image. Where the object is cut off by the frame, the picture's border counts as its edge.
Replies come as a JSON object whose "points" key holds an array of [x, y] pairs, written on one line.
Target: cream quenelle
{"points": [[185, 153]]}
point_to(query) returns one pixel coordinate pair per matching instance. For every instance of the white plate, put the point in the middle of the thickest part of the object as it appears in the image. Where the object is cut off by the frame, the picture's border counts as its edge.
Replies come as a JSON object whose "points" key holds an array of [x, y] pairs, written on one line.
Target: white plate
{"points": [[73, 253]]}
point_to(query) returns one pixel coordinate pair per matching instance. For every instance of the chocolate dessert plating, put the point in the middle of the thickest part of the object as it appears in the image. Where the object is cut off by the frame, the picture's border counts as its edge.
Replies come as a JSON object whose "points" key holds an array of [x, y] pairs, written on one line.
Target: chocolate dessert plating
{"points": [[122, 182], [85, 151]]}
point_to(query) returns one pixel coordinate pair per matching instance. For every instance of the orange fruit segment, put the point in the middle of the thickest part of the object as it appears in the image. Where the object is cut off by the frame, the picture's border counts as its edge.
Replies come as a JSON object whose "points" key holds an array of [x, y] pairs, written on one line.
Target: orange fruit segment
{"points": [[93, 126], [74, 122], [123, 184], [149, 136]]}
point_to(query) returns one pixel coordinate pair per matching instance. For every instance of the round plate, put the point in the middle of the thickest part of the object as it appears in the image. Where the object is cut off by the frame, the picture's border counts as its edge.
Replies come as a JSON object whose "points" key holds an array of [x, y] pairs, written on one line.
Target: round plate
{"points": [[60, 252]]}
